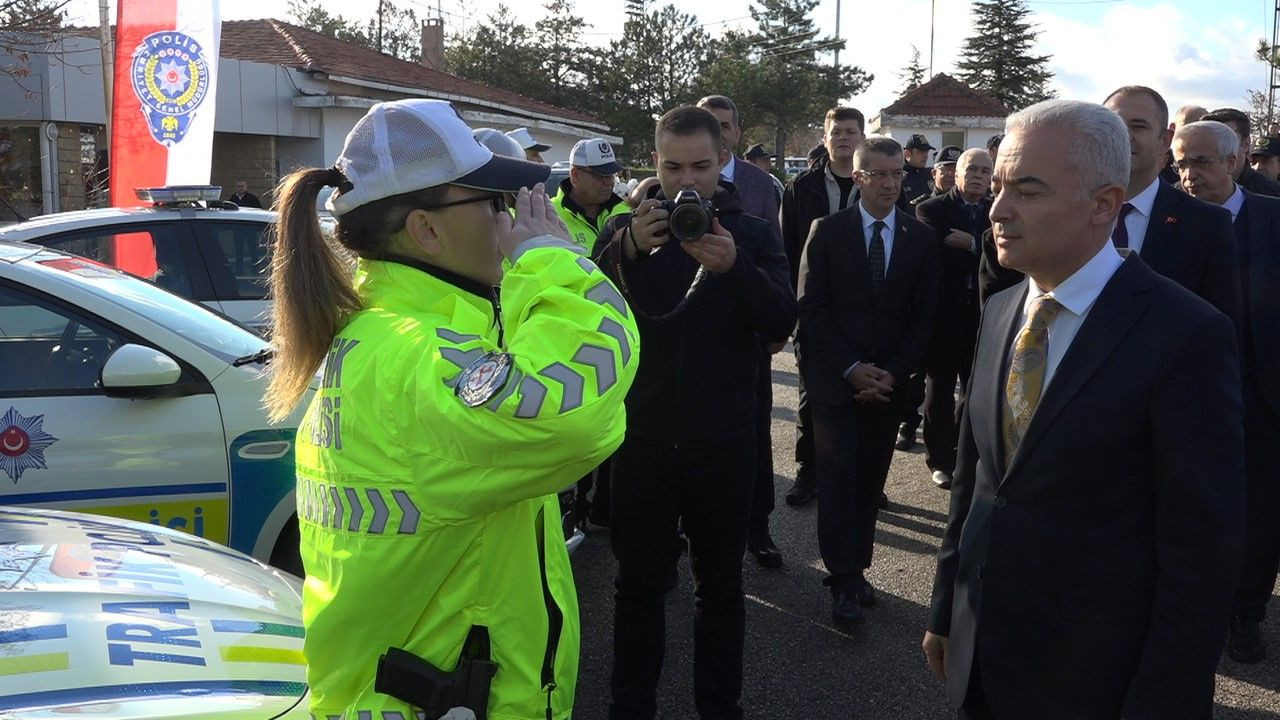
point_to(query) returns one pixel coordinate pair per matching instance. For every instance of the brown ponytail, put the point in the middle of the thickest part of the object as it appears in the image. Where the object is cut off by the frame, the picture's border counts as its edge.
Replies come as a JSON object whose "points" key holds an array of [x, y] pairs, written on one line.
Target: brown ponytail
{"points": [[311, 288]]}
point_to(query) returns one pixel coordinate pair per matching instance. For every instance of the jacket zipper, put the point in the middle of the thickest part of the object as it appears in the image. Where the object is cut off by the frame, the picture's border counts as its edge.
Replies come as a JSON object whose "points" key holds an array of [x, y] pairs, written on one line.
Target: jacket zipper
{"points": [[555, 618], [495, 297]]}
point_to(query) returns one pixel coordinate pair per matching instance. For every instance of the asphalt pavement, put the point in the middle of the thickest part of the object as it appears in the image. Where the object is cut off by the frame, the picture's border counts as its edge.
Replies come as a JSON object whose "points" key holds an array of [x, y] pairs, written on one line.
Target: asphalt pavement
{"points": [[797, 664]]}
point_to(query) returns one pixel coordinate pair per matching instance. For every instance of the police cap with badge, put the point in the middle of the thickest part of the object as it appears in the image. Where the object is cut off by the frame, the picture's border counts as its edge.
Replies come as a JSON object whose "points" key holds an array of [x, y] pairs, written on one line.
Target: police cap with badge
{"points": [[918, 142], [1266, 146], [948, 155]]}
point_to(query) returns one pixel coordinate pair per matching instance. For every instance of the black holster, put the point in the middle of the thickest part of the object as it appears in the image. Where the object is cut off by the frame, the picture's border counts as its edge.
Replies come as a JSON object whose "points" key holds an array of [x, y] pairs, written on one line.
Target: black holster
{"points": [[407, 677]]}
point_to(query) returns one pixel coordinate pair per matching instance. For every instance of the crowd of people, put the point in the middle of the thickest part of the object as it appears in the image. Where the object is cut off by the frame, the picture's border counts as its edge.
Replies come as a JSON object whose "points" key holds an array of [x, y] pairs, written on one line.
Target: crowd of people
{"points": [[1083, 313]]}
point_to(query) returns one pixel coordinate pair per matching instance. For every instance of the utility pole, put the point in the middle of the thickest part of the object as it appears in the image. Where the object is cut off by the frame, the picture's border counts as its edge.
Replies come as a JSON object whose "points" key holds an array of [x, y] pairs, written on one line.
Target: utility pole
{"points": [[837, 32], [1275, 72], [104, 41], [932, 7]]}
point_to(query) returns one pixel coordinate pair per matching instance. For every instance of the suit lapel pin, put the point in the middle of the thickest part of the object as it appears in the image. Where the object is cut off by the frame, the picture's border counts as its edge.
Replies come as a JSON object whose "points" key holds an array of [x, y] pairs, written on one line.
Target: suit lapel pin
{"points": [[1170, 219]]}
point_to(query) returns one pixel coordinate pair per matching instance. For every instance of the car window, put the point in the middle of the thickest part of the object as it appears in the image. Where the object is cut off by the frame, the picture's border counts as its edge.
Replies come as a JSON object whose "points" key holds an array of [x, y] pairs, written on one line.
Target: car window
{"points": [[237, 257], [173, 268], [46, 349]]}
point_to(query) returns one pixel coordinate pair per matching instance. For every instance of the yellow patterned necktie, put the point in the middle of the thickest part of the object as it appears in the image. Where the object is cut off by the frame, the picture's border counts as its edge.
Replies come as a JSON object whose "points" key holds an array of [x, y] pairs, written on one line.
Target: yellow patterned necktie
{"points": [[1026, 373]]}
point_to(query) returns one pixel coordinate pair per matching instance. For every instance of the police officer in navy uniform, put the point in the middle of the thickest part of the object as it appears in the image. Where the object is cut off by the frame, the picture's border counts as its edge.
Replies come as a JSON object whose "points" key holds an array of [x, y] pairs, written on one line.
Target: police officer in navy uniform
{"points": [[1264, 157], [915, 179]]}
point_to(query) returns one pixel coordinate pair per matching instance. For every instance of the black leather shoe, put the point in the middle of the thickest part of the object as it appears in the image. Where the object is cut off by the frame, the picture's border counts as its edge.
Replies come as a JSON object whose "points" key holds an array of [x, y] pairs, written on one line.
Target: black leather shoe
{"points": [[767, 554], [801, 493], [1244, 641], [845, 613], [906, 441], [865, 594]]}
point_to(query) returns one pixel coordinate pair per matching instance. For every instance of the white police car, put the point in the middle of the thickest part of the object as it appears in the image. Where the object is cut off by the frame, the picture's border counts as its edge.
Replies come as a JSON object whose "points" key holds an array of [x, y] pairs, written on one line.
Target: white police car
{"points": [[117, 397], [185, 239], [110, 618]]}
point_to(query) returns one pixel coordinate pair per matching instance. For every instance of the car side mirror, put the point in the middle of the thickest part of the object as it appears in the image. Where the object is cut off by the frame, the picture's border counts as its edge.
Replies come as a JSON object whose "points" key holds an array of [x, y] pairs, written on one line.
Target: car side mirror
{"points": [[139, 371]]}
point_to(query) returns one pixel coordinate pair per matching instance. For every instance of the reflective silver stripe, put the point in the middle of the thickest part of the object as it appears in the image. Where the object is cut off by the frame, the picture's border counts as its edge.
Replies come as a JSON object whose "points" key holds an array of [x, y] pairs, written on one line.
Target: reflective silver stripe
{"points": [[337, 507], [587, 266], [324, 504], [512, 383], [364, 715], [409, 513], [357, 510], [462, 359], [455, 337], [602, 360], [614, 329], [606, 294], [379, 520], [392, 715], [572, 382], [532, 395]]}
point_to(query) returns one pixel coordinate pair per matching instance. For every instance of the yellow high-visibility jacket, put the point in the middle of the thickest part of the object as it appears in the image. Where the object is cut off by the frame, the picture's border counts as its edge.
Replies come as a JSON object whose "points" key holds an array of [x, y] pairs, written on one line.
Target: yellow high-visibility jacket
{"points": [[584, 232], [427, 466]]}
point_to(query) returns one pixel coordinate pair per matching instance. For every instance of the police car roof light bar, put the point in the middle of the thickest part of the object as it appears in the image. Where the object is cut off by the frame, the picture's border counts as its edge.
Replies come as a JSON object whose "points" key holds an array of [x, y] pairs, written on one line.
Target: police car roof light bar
{"points": [[179, 194]]}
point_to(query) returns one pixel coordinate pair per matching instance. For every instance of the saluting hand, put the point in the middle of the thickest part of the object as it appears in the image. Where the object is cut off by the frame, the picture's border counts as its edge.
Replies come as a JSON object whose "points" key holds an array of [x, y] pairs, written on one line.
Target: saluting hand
{"points": [[535, 216]]}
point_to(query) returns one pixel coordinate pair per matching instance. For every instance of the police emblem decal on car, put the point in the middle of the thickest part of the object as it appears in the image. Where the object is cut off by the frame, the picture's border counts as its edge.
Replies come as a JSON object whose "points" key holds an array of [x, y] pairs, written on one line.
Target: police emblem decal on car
{"points": [[484, 378], [22, 443]]}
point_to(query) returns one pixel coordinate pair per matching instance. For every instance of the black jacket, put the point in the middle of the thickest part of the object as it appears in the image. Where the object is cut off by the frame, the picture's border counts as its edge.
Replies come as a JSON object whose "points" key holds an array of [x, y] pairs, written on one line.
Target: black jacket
{"points": [[1257, 183], [917, 186], [841, 322], [696, 385], [958, 268], [804, 200]]}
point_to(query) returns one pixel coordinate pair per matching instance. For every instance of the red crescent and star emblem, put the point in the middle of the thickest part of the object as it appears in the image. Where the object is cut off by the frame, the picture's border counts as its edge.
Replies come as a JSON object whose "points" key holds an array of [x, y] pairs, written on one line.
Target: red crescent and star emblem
{"points": [[22, 443]]}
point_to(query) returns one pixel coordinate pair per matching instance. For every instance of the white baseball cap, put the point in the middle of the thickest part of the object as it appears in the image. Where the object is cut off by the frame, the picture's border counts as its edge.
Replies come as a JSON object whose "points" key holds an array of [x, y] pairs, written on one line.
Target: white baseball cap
{"points": [[408, 145], [499, 143], [522, 136], [596, 155]]}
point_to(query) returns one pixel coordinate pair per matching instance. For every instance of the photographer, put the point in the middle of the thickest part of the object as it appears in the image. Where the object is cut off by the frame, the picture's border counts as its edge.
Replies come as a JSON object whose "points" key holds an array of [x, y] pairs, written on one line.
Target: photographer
{"points": [[702, 304]]}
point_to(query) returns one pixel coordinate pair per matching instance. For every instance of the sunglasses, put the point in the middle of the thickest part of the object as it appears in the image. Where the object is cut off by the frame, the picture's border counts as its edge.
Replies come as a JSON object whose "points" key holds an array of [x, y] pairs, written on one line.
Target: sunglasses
{"points": [[496, 200]]}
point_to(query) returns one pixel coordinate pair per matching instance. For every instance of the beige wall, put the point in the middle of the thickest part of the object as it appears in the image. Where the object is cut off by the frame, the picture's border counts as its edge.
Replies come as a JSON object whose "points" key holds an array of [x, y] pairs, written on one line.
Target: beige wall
{"points": [[251, 158]]}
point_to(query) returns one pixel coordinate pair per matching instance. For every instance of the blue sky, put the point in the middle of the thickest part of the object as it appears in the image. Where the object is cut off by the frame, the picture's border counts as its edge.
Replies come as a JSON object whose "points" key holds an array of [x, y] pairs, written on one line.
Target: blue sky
{"points": [[1190, 50]]}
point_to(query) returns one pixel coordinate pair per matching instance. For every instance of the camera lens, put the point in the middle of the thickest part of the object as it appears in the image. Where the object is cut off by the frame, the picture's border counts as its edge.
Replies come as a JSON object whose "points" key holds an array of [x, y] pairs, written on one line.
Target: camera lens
{"points": [[688, 222]]}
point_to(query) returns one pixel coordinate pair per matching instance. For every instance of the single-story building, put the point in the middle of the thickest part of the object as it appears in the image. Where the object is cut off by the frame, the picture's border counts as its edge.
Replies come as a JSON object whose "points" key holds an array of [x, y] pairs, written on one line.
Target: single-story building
{"points": [[944, 110], [287, 97]]}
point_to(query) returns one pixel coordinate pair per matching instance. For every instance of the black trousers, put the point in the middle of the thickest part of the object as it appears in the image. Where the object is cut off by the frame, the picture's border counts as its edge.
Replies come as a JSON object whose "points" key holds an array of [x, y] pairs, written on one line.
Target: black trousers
{"points": [[950, 359], [1262, 517], [762, 501], [913, 389], [854, 446], [975, 699], [804, 429], [654, 489]]}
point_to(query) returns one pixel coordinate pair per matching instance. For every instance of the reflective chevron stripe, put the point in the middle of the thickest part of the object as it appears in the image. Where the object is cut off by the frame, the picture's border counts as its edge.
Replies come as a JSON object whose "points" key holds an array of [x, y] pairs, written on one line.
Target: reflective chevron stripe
{"points": [[532, 395], [454, 337], [572, 382], [461, 358], [614, 329], [602, 360], [512, 383], [606, 294], [587, 266], [331, 505]]}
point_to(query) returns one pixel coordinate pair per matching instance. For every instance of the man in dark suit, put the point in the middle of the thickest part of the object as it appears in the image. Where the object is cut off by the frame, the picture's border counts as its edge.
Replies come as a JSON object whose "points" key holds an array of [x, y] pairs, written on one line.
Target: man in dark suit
{"points": [[868, 287], [757, 192], [1096, 519], [1204, 154], [958, 220], [1185, 240], [1244, 176], [243, 197]]}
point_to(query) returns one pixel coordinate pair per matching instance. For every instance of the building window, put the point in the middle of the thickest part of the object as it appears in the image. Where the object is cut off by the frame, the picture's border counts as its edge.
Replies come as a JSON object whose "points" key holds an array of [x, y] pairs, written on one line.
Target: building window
{"points": [[953, 137], [21, 189], [93, 167]]}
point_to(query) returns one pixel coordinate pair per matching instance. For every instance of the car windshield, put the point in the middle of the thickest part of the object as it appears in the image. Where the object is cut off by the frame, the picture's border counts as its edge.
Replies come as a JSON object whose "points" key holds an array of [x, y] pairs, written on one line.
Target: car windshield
{"points": [[215, 333]]}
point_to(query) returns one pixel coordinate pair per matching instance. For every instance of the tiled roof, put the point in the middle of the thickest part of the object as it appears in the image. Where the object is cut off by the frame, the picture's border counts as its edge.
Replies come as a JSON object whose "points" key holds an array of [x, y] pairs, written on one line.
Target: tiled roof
{"points": [[280, 43], [946, 96]]}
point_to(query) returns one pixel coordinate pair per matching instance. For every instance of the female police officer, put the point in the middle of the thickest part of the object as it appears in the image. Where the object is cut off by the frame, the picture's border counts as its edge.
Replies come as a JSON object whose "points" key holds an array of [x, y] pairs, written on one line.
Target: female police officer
{"points": [[444, 423]]}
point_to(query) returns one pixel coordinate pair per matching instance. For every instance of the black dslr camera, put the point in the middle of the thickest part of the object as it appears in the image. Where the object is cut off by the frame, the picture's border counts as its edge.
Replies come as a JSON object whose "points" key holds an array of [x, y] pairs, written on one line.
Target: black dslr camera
{"points": [[690, 215]]}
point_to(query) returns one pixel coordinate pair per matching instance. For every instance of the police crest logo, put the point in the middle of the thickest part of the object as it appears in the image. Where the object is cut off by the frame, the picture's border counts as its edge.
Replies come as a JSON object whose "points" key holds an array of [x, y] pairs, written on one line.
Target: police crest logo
{"points": [[171, 78], [606, 151], [483, 379], [1260, 142], [22, 443]]}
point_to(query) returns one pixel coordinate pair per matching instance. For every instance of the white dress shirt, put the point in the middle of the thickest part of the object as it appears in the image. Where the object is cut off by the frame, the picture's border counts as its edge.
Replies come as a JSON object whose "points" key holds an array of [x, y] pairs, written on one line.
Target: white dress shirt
{"points": [[1076, 294], [1235, 203], [890, 226], [726, 172], [1140, 216]]}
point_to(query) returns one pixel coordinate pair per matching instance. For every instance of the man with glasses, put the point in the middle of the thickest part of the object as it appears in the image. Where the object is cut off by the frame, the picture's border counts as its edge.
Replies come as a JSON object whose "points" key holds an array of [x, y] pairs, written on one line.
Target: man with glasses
{"points": [[586, 200], [868, 290]]}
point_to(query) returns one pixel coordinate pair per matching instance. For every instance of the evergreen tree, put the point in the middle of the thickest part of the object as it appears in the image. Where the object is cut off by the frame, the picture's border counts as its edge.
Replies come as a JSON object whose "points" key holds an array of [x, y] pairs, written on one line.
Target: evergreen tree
{"points": [[564, 54], [774, 74], [392, 30], [500, 52], [997, 59], [912, 75]]}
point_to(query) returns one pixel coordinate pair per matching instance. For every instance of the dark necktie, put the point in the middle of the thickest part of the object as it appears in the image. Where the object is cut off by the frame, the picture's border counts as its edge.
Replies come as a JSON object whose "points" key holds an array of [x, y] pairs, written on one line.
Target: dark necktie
{"points": [[1121, 236], [875, 256], [974, 215]]}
